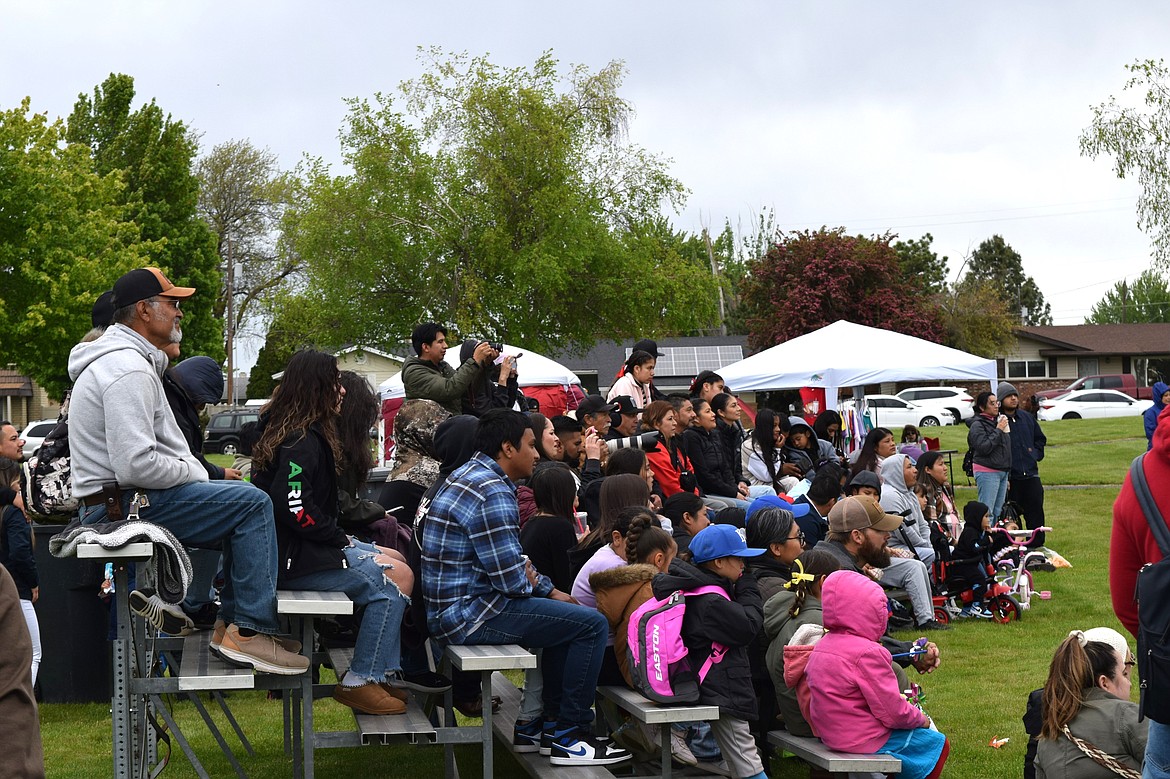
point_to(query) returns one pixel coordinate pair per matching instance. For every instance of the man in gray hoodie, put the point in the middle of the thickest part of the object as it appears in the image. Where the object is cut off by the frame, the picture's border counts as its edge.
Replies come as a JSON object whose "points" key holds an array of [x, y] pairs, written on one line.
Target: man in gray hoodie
{"points": [[124, 441]]}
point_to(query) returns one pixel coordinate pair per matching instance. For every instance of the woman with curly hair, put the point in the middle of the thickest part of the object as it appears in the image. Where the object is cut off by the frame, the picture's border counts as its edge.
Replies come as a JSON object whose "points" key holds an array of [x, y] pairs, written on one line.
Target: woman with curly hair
{"points": [[296, 461]]}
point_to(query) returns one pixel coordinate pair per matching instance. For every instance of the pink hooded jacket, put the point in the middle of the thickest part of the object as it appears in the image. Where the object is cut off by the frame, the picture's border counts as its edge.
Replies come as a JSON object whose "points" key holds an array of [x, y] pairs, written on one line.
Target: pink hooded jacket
{"points": [[855, 701]]}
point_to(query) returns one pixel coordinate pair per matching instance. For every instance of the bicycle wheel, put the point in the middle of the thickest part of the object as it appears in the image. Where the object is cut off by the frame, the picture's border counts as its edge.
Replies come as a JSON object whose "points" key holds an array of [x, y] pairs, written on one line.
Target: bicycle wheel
{"points": [[1004, 608]]}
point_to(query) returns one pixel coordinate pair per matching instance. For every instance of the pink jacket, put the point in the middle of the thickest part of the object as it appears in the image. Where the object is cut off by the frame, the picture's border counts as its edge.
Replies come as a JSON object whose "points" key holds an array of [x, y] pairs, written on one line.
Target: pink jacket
{"points": [[855, 702]]}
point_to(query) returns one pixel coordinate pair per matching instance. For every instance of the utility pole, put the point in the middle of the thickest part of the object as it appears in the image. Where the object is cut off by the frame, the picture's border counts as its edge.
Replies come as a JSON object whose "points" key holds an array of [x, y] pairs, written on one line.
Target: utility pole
{"points": [[231, 327], [718, 282], [1124, 301]]}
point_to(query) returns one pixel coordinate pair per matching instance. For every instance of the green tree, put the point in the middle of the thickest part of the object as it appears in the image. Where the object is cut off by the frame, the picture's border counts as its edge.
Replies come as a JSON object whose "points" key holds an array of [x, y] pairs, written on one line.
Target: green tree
{"points": [[289, 331], [154, 156], [976, 318], [1146, 299], [503, 202], [996, 261], [811, 279], [242, 197], [921, 265], [64, 238], [1138, 139]]}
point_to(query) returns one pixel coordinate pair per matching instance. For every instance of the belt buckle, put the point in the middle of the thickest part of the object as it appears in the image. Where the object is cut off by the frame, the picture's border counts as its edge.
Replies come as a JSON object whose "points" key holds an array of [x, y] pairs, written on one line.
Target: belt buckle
{"points": [[138, 501]]}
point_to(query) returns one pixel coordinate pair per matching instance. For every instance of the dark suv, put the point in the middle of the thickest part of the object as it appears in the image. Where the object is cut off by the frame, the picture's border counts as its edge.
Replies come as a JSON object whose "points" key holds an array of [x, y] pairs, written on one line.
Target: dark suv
{"points": [[222, 435]]}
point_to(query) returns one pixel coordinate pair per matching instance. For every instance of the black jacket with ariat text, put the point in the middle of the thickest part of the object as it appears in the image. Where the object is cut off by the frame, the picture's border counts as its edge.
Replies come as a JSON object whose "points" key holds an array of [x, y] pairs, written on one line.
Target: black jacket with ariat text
{"points": [[303, 486]]}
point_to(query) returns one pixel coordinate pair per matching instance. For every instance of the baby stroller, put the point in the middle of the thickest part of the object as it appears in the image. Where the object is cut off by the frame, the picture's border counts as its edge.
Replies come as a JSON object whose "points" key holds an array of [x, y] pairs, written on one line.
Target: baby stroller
{"points": [[960, 581]]}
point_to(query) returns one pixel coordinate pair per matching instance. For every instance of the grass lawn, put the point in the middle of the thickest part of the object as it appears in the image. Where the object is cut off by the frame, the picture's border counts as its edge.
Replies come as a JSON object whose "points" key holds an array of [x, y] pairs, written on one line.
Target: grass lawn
{"points": [[978, 693]]}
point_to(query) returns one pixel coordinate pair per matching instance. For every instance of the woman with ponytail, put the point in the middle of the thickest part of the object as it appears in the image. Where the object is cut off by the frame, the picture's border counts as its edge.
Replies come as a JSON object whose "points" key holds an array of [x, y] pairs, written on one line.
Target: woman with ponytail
{"points": [[637, 376], [1090, 727], [798, 604], [775, 530], [621, 590]]}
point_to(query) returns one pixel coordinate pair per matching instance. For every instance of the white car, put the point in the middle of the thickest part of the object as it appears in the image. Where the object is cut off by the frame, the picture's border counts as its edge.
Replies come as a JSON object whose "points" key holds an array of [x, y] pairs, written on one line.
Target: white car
{"points": [[1092, 404], [34, 433], [954, 399], [892, 412]]}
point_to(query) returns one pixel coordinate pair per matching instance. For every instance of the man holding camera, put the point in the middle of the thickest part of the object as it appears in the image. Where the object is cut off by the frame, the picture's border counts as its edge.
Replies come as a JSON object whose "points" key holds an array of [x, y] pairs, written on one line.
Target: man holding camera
{"points": [[624, 419], [428, 377]]}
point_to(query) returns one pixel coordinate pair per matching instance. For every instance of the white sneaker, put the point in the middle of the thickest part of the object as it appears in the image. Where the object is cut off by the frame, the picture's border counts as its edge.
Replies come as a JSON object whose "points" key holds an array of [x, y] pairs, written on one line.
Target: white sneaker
{"points": [[165, 617], [679, 749]]}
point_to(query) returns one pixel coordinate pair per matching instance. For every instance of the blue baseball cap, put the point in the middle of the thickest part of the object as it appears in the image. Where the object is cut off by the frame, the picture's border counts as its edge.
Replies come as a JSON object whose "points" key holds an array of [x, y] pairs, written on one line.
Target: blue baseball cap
{"points": [[775, 502], [715, 541]]}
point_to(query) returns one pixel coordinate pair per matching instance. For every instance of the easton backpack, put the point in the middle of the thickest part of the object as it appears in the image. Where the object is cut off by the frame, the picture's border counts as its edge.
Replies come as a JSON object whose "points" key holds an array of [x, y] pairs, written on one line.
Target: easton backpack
{"points": [[1152, 595], [50, 484], [659, 666]]}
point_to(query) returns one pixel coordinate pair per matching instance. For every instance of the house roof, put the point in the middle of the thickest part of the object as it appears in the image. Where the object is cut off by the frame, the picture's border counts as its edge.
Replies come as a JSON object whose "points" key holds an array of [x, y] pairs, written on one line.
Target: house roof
{"points": [[15, 384], [1135, 340]]}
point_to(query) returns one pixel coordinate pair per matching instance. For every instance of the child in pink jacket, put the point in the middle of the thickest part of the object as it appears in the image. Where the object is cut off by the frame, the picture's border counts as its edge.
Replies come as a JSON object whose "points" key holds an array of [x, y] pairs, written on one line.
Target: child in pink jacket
{"points": [[855, 703]]}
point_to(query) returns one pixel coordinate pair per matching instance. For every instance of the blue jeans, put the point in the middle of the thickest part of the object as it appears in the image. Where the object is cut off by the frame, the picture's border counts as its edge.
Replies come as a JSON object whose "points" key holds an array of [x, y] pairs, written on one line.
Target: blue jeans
{"points": [[1157, 752], [573, 639], [992, 489], [376, 652], [230, 515], [205, 565]]}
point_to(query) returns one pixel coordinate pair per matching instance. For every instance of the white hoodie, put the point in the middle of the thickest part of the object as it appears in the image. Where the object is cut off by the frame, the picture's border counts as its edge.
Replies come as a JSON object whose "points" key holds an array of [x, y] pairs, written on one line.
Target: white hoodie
{"points": [[121, 427]]}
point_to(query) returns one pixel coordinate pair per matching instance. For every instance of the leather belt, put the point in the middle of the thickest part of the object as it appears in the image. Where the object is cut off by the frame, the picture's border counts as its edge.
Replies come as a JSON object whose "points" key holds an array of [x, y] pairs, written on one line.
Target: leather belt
{"points": [[97, 499]]}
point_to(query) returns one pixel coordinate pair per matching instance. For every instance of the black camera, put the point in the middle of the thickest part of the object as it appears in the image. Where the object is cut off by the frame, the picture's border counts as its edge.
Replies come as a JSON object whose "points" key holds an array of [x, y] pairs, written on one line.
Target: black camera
{"points": [[499, 347], [687, 480], [647, 442]]}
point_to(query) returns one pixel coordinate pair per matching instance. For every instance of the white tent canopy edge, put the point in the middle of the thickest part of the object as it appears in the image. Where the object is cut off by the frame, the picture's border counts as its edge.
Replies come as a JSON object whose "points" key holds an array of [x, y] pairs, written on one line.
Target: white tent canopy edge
{"points": [[845, 354]]}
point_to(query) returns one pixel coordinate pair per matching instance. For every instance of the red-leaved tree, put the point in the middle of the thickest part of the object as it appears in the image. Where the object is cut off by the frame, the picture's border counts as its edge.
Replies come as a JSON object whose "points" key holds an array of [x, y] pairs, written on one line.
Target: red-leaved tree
{"points": [[811, 279]]}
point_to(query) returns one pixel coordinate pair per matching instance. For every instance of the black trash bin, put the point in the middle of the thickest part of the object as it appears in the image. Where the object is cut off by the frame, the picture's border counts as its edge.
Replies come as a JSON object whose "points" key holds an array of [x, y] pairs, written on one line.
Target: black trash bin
{"points": [[75, 647]]}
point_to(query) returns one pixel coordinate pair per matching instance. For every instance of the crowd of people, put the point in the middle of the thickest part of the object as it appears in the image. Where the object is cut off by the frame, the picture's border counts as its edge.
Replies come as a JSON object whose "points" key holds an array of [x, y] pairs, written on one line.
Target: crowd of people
{"points": [[510, 527]]}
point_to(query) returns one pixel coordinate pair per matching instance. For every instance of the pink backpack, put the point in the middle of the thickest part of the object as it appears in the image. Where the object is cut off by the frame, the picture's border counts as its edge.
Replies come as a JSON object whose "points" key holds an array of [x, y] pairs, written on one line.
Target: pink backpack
{"points": [[658, 657]]}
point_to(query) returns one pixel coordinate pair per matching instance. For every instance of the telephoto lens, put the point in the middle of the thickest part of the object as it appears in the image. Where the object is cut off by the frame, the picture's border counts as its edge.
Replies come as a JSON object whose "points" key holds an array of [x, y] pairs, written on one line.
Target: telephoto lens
{"points": [[645, 441]]}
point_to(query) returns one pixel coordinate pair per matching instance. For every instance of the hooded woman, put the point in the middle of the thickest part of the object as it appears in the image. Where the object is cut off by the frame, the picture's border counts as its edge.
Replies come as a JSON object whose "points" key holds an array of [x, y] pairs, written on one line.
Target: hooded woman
{"points": [[415, 466], [899, 475], [1160, 392]]}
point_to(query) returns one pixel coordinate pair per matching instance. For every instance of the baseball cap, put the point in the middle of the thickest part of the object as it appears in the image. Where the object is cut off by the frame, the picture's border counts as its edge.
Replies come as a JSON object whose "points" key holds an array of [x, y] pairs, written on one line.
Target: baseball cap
{"points": [[103, 309], [143, 283], [646, 345], [715, 541], [865, 479], [593, 405], [858, 513], [624, 404], [776, 502]]}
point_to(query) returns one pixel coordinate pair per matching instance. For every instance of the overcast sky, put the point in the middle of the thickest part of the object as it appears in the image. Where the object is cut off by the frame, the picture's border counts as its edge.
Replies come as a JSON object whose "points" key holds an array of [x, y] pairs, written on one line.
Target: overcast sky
{"points": [[961, 120]]}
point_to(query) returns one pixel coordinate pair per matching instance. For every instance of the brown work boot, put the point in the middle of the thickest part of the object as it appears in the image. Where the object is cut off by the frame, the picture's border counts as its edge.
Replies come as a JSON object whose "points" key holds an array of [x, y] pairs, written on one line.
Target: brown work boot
{"points": [[369, 698], [262, 652]]}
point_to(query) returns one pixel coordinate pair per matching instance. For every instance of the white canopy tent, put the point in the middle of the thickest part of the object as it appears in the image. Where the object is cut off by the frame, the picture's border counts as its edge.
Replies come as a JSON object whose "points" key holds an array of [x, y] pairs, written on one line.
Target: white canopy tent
{"points": [[845, 354], [534, 369]]}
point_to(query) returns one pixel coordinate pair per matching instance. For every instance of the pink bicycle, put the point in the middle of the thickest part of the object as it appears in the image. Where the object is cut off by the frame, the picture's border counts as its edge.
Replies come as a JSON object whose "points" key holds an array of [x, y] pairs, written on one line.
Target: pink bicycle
{"points": [[1014, 574]]}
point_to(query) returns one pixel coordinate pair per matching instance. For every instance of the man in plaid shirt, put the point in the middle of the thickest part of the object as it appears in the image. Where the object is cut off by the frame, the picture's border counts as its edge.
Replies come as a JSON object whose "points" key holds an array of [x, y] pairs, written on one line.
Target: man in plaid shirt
{"points": [[479, 589]]}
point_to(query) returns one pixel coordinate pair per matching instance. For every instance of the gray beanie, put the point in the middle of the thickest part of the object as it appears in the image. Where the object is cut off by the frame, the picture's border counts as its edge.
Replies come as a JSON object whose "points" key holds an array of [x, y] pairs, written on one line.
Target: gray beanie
{"points": [[1006, 389]]}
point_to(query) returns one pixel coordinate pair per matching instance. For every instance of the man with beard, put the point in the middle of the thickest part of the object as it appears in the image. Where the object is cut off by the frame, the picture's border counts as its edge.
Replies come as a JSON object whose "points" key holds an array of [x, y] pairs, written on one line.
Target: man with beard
{"points": [[858, 531], [125, 443]]}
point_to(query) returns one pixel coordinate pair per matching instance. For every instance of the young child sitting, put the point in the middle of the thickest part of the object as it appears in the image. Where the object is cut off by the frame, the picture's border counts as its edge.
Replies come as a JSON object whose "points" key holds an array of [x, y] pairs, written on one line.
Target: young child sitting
{"points": [[717, 553], [971, 556], [855, 703]]}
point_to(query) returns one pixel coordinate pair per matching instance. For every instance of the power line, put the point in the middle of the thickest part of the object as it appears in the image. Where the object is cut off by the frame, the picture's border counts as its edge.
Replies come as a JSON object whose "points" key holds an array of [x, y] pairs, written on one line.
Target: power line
{"points": [[983, 211]]}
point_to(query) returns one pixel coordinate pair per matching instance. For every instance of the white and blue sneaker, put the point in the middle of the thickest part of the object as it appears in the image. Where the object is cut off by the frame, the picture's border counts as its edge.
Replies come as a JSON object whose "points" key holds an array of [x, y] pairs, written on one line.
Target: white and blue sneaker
{"points": [[547, 734], [526, 735], [577, 746]]}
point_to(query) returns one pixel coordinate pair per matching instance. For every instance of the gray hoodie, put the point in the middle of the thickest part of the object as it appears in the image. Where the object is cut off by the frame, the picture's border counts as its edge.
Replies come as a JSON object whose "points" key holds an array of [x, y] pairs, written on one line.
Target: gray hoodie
{"points": [[896, 498], [120, 425]]}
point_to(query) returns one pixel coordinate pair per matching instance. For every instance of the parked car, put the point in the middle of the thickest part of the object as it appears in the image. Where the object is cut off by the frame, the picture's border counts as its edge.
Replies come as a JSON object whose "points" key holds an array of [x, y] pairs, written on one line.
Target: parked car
{"points": [[1092, 404], [1122, 382], [954, 399], [34, 433], [893, 412], [222, 435]]}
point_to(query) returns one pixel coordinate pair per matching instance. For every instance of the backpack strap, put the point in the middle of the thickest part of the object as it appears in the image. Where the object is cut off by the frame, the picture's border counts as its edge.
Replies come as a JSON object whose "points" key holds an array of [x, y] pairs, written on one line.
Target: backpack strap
{"points": [[1141, 488], [717, 650]]}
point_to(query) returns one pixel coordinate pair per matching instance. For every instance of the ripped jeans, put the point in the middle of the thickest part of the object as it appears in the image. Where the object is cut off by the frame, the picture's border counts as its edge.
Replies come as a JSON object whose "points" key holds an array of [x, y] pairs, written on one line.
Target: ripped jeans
{"points": [[376, 652]]}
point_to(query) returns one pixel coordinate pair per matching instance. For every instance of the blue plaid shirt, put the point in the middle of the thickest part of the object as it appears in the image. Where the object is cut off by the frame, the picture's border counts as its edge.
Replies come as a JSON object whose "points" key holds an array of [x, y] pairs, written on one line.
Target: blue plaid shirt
{"points": [[471, 563]]}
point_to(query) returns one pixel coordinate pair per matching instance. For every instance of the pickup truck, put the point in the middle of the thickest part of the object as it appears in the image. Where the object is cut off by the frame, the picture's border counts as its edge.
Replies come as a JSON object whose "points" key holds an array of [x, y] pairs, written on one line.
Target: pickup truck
{"points": [[1122, 382]]}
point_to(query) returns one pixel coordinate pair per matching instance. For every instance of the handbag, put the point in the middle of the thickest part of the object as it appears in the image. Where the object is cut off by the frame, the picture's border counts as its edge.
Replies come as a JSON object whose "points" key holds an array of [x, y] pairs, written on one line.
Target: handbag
{"points": [[1103, 759]]}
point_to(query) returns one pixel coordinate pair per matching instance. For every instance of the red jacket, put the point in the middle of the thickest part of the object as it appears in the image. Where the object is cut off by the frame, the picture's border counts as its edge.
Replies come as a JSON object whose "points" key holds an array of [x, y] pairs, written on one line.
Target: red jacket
{"points": [[1132, 545]]}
